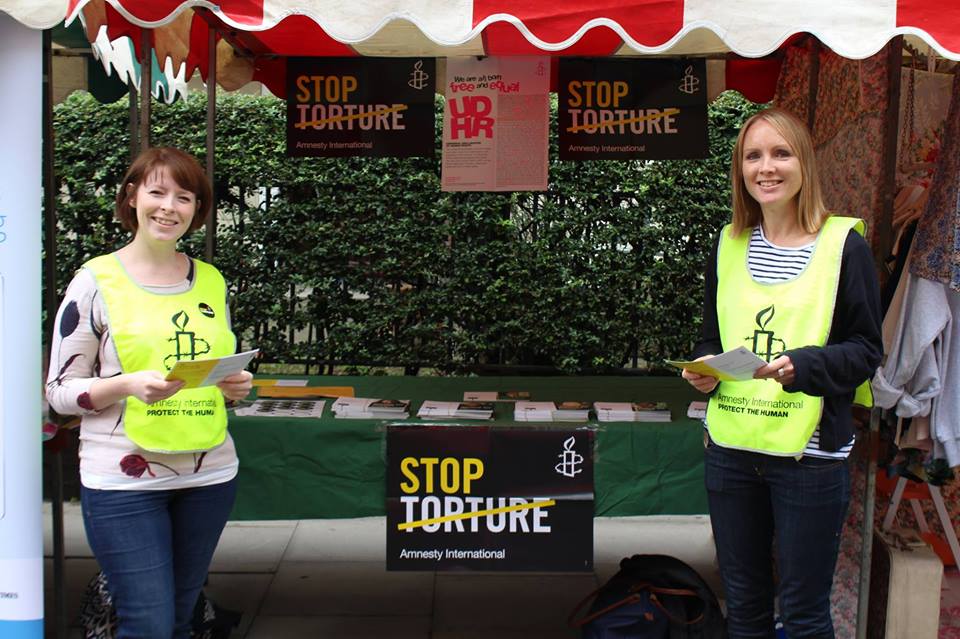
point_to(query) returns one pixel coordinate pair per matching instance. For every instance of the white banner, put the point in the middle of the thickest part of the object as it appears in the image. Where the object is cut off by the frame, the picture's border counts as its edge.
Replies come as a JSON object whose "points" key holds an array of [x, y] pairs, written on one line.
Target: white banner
{"points": [[21, 385]]}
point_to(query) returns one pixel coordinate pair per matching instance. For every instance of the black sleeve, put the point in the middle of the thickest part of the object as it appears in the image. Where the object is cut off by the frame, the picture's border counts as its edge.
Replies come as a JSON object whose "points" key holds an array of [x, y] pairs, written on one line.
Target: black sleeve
{"points": [[855, 346], [710, 343]]}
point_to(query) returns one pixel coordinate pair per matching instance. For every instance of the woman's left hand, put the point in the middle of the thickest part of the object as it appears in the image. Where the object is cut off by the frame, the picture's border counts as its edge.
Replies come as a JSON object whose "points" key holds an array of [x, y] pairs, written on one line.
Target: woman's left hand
{"points": [[780, 370], [236, 386]]}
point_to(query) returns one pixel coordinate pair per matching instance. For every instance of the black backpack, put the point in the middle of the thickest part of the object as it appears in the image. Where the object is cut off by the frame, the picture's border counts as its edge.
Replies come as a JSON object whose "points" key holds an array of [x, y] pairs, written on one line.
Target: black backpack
{"points": [[652, 597]]}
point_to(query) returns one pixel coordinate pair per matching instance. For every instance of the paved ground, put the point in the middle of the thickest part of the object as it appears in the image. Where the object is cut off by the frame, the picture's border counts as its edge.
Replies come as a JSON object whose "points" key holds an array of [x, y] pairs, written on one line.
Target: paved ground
{"points": [[326, 578]]}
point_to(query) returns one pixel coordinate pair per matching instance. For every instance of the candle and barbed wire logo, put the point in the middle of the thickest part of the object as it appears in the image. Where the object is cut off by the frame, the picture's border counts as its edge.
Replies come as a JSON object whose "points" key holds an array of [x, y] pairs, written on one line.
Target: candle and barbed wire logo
{"points": [[185, 342], [570, 460], [764, 342], [690, 83], [418, 77]]}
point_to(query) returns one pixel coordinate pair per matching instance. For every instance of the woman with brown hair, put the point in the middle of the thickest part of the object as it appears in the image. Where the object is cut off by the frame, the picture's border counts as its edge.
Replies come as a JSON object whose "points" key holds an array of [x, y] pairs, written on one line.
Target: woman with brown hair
{"points": [[157, 466]]}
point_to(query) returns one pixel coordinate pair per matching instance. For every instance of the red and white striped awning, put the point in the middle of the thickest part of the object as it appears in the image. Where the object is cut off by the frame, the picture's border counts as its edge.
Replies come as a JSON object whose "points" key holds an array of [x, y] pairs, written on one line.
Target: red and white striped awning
{"points": [[256, 32]]}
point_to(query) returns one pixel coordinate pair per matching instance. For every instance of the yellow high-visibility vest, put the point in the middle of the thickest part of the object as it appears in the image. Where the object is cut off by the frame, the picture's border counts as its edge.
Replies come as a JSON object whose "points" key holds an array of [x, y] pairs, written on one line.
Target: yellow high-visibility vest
{"points": [[770, 318], [152, 332]]}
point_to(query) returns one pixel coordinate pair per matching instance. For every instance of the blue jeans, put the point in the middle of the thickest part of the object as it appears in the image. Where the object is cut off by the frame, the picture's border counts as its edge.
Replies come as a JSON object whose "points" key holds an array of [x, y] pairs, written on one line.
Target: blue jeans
{"points": [[761, 506], [155, 547]]}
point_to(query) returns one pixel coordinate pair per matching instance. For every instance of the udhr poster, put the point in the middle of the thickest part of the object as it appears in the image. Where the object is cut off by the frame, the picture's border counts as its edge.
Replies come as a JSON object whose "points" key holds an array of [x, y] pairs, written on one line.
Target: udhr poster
{"points": [[632, 109], [495, 124]]}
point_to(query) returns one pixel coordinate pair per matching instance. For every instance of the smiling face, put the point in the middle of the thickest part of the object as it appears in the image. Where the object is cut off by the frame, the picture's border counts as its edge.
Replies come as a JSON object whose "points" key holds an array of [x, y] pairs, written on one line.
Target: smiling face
{"points": [[771, 170], [164, 208]]}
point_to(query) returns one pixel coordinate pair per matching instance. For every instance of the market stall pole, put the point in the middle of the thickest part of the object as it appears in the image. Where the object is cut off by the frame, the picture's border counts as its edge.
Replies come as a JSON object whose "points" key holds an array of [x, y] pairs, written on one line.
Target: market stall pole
{"points": [[50, 309], [885, 243], [262, 32], [211, 238]]}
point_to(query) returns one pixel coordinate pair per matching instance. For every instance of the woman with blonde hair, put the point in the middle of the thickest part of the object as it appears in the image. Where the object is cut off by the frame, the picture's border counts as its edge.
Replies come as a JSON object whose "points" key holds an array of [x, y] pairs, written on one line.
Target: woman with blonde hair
{"points": [[796, 285]]}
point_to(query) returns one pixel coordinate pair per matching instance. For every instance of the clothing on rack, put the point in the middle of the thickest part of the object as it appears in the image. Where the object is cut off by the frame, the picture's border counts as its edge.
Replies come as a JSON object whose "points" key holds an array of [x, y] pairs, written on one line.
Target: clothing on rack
{"points": [[915, 331], [922, 347], [899, 263]]}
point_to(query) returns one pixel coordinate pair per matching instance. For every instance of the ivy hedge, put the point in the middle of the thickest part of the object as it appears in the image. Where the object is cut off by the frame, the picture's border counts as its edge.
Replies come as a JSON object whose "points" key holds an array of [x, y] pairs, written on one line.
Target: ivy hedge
{"points": [[363, 261]]}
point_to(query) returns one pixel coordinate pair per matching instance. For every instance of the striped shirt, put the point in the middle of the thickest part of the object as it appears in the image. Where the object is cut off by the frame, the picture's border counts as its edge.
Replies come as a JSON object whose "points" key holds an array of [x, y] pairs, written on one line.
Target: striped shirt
{"points": [[770, 263]]}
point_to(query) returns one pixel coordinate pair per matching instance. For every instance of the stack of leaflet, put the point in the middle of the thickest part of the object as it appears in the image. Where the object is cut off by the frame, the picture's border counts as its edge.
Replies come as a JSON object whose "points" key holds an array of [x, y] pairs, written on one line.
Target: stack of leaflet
{"points": [[613, 411], [632, 411], [367, 408], [551, 411], [267, 407], [650, 411], [525, 411], [495, 396], [697, 410], [455, 410], [571, 411]]}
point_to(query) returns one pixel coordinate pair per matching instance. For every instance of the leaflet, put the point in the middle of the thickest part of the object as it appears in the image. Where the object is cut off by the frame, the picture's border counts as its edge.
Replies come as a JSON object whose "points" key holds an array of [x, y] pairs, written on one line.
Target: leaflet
{"points": [[207, 372], [279, 382], [495, 396], [736, 365]]}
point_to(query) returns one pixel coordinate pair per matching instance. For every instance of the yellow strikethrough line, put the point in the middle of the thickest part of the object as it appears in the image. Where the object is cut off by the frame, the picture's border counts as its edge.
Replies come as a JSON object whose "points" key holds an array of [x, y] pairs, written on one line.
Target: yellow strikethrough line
{"points": [[641, 118], [480, 513], [353, 116]]}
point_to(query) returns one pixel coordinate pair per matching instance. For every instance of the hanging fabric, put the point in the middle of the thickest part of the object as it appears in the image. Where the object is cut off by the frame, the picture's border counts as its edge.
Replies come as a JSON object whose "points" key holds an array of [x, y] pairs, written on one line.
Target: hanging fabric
{"points": [[936, 250], [848, 126]]}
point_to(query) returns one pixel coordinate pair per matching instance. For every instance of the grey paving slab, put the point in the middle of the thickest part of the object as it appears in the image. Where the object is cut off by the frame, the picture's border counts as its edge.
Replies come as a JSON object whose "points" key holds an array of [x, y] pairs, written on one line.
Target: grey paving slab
{"points": [[347, 588], [326, 578], [243, 593], [269, 627], [77, 572], [505, 634], [74, 538], [494, 603], [252, 546], [689, 538], [362, 539]]}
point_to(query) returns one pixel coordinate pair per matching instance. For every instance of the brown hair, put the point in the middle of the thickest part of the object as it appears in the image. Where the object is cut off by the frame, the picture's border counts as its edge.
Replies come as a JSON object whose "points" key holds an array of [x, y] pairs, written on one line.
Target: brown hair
{"points": [[811, 211], [183, 168]]}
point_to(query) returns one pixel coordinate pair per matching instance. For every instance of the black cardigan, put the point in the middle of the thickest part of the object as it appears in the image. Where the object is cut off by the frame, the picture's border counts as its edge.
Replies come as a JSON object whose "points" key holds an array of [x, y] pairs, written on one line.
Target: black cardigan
{"points": [[854, 347]]}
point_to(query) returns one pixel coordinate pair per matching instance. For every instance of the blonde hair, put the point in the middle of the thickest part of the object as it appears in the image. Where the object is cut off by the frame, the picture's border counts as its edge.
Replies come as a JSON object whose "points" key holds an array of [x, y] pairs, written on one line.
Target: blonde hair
{"points": [[811, 212]]}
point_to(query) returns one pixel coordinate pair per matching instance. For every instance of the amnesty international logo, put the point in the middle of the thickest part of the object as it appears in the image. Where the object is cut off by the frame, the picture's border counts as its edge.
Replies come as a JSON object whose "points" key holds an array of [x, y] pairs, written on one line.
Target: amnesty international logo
{"points": [[186, 343], [570, 460], [418, 77], [764, 343], [690, 83]]}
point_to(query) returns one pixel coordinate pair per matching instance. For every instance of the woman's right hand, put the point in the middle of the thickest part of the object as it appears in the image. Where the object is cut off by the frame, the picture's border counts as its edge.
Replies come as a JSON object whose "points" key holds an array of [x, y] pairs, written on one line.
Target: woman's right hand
{"points": [[150, 386], [703, 383], [147, 386]]}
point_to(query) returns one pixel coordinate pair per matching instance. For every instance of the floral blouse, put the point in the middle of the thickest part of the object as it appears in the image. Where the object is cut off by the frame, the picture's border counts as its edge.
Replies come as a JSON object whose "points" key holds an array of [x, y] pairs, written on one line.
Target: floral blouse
{"points": [[82, 351]]}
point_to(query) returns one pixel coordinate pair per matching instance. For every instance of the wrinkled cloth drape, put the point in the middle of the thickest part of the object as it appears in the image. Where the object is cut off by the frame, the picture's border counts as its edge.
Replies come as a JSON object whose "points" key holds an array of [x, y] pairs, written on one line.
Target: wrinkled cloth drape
{"points": [[848, 126], [936, 247]]}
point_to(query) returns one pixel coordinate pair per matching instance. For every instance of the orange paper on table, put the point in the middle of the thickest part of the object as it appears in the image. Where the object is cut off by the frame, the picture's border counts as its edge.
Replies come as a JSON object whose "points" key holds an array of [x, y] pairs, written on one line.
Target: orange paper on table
{"points": [[305, 391], [265, 381]]}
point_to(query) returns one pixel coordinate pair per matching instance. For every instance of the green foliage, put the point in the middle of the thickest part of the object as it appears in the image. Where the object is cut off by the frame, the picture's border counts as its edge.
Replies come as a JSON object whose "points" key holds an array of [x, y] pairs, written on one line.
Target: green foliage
{"points": [[365, 261]]}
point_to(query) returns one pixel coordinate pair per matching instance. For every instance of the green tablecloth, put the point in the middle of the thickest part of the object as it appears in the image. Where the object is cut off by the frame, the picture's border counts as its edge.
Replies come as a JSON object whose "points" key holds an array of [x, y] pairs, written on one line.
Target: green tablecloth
{"points": [[298, 468]]}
